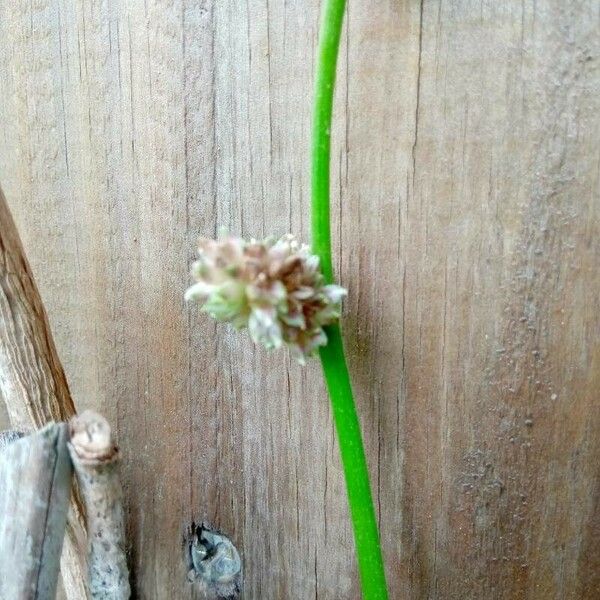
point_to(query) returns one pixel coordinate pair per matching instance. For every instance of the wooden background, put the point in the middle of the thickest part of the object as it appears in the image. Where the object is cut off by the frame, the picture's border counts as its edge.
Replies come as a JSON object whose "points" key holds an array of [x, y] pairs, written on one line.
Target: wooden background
{"points": [[466, 201]]}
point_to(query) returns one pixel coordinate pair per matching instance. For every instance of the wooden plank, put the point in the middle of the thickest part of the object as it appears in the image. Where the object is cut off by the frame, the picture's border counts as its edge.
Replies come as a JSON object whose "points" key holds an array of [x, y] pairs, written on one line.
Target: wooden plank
{"points": [[467, 222], [501, 247], [35, 486], [9, 436]]}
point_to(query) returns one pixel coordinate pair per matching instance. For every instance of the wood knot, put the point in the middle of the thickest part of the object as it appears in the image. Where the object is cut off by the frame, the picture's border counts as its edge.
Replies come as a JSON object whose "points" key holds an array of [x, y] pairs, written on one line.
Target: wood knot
{"points": [[214, 563]]}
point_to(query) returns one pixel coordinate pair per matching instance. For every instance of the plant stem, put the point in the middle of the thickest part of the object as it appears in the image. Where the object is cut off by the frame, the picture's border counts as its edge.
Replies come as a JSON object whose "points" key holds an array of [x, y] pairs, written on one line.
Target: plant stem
{"points": [[333, 360]]}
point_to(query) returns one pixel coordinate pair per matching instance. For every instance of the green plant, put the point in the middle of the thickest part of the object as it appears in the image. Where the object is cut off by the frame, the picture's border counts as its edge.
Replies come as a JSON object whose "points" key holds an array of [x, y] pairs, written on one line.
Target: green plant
{"points": [[283, 294], [332, 355]]}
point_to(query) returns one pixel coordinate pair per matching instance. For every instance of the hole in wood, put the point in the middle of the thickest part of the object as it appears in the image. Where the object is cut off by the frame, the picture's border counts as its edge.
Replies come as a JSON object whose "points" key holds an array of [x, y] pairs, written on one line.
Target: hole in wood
{"points": [[214, 563]]}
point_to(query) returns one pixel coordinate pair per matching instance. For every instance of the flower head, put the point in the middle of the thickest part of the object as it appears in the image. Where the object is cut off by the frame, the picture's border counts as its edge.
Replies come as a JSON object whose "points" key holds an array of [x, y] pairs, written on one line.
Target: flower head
{"points": [[272, 287]]}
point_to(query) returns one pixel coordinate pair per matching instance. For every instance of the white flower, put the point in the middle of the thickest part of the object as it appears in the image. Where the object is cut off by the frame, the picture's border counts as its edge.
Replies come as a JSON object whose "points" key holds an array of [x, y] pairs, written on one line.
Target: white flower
{"points": [[273, 287]]}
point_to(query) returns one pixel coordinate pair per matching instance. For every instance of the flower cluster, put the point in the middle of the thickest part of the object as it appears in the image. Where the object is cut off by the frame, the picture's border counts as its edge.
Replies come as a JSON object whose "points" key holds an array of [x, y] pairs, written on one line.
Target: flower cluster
{"points": [[272, 287]]}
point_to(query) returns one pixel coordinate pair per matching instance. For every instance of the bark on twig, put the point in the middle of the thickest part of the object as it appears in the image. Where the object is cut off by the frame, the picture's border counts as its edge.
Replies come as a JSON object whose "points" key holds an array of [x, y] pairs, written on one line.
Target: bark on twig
{"points": [[35, 485], [95, 458], [32, 380]]}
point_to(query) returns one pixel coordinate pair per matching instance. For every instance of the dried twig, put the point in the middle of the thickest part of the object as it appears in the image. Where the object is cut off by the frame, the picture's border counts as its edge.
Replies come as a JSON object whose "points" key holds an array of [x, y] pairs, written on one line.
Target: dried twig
{"points": [[95, 457], [32, 380]]}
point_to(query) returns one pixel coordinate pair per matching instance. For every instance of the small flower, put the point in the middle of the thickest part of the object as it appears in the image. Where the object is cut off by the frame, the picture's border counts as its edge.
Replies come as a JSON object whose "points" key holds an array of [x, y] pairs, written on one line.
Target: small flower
{"points": [[272, 287]]}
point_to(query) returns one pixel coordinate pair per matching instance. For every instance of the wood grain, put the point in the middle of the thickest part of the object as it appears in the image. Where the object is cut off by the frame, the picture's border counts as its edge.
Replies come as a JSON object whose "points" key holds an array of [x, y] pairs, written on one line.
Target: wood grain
{"points": [[466, 201], [35, 486]]}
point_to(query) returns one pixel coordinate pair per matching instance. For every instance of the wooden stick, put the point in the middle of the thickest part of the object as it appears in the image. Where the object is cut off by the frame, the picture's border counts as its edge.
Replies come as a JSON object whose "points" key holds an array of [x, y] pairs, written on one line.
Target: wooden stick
{"points": [[32, 380], [95, 458], [35, 485]]}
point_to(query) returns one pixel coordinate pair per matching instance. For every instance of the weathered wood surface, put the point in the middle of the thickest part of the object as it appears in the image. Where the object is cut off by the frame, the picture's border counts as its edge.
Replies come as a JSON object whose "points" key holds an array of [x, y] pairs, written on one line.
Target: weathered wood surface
{"points": [[9, 436], [35, 486], [467, 230], [32, 381]]}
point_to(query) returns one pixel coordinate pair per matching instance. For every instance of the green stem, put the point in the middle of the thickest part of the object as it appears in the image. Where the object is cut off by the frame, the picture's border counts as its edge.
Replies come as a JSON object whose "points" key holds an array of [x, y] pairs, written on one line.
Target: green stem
{"points": [[335, 369]]}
